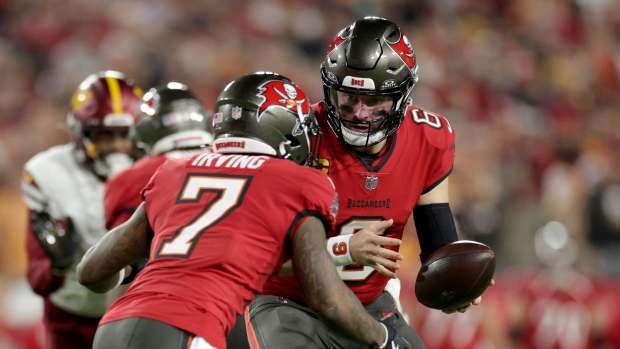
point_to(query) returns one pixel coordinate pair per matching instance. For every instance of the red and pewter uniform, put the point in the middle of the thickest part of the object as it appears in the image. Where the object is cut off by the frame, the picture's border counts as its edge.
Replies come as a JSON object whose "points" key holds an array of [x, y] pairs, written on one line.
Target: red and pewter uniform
{"points": [[416, 158], [221, 227], [122, 192]]}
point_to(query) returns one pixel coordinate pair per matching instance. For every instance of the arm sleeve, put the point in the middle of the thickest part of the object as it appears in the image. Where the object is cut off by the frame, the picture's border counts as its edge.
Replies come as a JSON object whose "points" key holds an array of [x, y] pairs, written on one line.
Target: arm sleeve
{"points": [[435, 226]]}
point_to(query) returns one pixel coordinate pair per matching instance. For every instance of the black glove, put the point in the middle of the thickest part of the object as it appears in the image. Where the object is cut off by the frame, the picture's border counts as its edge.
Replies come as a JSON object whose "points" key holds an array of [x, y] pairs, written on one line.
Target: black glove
{"points": [[58, 240], [394, 340]]}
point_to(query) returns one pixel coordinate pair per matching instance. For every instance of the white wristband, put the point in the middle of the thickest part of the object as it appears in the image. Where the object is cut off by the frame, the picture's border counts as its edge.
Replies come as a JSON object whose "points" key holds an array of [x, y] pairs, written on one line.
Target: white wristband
{"points": [[338, 248], [387, 335], [121, 277]]}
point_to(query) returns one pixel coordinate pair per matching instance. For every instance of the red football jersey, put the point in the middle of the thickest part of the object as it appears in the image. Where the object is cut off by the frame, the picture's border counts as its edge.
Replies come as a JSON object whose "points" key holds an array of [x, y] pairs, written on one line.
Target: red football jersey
{"points": [[221, 225], [417, 158], [122, 192]]}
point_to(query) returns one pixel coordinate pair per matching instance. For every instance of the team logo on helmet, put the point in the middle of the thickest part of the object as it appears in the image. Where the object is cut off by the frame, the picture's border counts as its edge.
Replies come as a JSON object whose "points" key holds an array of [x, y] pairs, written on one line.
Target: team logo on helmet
{"points": [[280, 94], [404, 49]]}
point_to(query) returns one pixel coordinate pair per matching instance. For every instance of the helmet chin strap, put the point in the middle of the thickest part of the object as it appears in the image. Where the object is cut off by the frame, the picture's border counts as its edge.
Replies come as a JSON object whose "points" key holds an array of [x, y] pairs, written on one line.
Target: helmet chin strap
{"points": [[361, 139]]}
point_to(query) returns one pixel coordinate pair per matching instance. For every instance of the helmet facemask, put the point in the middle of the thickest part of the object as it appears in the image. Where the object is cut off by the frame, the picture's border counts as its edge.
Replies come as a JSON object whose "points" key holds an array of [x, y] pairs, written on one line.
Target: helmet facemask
{"points": [[297, 145], [108, 161], [363, 119]]}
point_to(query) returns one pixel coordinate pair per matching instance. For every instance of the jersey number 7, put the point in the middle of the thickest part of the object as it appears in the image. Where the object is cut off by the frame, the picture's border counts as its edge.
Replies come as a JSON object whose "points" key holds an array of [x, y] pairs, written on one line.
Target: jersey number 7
{"points": [[229, 192]]}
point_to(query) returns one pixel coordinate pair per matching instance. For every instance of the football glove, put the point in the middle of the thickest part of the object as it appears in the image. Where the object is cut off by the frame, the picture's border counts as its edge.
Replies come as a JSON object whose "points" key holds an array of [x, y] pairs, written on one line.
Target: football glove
{"points": [[58, 240]]}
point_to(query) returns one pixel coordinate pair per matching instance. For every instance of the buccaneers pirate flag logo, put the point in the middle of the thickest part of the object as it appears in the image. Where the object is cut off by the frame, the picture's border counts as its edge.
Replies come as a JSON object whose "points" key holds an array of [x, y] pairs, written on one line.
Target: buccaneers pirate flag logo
{"points": [[280, 94]]}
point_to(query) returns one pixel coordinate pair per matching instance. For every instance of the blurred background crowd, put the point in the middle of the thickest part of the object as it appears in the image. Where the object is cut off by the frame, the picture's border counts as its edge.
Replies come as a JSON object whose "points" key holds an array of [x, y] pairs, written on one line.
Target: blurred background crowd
{"points": [[531, 87]]}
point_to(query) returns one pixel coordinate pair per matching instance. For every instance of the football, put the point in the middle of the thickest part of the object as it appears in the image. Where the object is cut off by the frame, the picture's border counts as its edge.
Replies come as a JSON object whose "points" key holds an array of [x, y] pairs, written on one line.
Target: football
{"points": [[455, 274]]}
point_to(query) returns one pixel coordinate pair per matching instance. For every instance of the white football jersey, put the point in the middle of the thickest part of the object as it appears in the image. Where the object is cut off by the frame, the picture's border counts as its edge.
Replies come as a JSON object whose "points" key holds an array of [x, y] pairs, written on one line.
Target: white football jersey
{"points": [[63, 188]]}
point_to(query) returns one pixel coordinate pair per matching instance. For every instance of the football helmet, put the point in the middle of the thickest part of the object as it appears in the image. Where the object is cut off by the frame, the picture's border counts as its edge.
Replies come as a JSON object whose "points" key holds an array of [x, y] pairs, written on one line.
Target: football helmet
{"points": [[264, 113], [371, 61], [105, 103], [174, 119]]}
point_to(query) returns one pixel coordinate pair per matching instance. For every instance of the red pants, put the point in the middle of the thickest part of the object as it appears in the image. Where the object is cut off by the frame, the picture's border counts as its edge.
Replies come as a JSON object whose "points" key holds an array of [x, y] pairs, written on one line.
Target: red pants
{"points": [[67, 331]]}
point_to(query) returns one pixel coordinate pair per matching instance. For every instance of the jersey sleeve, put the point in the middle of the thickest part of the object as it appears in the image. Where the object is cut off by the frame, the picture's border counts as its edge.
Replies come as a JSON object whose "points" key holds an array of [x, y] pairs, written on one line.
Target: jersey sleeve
{"points": [[33, 196], [39, 269], [115, 212], [440, 138], [321, 201], [146, 191]]}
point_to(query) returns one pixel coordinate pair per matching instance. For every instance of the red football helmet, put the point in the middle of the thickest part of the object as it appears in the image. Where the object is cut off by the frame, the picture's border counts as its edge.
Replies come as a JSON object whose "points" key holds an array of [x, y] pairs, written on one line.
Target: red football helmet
{"points": [[104, 103]]}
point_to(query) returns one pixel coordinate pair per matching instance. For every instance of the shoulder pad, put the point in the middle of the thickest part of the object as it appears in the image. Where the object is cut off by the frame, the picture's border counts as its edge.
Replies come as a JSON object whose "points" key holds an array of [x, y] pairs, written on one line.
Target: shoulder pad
{"points": [[435, 127]]}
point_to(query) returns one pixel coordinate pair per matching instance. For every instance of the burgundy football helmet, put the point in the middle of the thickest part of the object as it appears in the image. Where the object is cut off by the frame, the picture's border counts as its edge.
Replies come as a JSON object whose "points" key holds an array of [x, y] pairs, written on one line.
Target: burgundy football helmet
{"points": [[104, 103]]}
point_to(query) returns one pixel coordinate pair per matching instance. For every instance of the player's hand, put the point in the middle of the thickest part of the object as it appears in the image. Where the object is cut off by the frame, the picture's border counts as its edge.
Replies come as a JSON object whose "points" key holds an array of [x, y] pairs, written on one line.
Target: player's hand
{"points": [[367, 248], [476, 301], [58, 239], [393, 340]]}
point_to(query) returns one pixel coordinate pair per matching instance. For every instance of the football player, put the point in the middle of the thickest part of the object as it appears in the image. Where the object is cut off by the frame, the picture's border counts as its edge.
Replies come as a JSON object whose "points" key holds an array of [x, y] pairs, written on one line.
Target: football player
{"points": [[174, 125], [63, 190], [389, 159], [219, 224]]}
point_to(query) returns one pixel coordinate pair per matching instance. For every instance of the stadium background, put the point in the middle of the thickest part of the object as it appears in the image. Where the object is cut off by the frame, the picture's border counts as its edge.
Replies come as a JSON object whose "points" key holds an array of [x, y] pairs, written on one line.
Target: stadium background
{"points": [[532, 88]]}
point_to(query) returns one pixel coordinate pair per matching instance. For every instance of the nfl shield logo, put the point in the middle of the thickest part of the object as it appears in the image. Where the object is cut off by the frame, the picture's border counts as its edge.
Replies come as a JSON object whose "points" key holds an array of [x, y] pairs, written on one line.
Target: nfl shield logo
{"points": [[218, 118], [236, 113], [371, 182]]}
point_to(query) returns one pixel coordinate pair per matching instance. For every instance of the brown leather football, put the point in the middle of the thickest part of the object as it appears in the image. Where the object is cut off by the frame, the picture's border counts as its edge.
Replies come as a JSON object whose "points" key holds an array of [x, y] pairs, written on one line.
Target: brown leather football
{"points": [[455, 274]]}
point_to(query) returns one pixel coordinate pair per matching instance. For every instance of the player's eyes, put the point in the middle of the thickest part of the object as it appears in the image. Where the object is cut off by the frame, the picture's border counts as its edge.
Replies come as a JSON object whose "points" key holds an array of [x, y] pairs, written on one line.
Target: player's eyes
{"points": [[346, 108], [379, 114]]}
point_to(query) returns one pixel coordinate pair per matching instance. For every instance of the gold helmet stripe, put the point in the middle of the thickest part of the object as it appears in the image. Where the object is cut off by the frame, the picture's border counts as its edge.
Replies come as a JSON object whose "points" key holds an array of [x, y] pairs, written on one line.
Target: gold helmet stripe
{"points": [[115, 95]]}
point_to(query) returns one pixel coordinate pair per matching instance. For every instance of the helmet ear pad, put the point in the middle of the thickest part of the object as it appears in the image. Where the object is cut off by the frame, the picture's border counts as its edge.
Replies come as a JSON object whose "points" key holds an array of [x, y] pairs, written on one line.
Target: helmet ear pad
{"points": [[294, 141]]}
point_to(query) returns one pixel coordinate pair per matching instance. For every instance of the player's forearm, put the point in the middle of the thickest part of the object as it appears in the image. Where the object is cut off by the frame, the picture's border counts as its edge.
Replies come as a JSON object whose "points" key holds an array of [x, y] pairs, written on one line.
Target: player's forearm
{"points": [[125, 244], [339, 306], [326, 293], [96, 276]]}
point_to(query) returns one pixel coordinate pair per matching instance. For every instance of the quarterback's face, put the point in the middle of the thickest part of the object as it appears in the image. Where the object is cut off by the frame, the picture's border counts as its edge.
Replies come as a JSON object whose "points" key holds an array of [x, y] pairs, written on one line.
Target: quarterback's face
{"points": [[363, 108]]}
